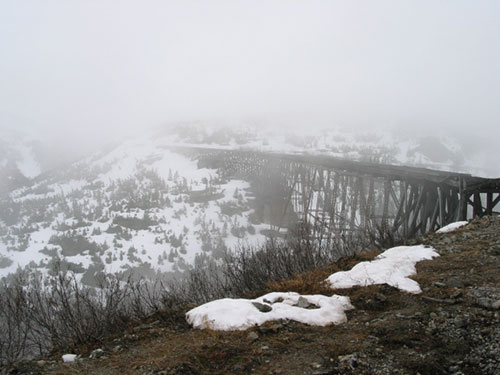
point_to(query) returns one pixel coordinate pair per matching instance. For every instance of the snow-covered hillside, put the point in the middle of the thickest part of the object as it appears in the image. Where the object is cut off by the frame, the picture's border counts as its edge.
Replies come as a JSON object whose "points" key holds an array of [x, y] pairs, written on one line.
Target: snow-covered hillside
{"points": [[138, 209], [18, 150], [19, 159], [141, 208]]}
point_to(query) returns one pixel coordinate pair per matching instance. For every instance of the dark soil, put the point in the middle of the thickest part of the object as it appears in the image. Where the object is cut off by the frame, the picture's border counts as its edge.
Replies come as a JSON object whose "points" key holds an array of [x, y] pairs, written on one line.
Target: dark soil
{"points": [[451, 328]]}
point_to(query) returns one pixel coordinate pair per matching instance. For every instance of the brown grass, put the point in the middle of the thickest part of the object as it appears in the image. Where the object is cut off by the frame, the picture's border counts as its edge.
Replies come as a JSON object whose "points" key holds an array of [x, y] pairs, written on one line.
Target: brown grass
{"points": [[312, 282]]}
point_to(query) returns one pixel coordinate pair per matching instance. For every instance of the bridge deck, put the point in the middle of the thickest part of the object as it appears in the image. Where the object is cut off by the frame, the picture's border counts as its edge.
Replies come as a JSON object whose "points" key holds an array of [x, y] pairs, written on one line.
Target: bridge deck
{"points": [[390, 171], [342, 193]]}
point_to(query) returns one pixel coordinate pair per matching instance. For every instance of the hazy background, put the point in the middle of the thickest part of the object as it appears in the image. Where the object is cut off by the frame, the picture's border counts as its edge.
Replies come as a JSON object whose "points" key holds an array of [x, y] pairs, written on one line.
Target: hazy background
{"points": [[86, 72]]}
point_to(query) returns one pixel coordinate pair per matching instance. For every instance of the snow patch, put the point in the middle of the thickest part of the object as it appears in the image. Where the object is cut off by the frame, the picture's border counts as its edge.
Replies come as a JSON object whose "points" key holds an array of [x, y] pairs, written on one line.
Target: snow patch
{"points": [[69, 358], [239, 314], [392, 267], [451, 227]]}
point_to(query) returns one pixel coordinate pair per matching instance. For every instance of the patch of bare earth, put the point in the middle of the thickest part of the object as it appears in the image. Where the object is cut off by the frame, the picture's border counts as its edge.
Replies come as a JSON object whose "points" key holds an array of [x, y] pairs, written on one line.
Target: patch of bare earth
{"points": [[451, 328]]}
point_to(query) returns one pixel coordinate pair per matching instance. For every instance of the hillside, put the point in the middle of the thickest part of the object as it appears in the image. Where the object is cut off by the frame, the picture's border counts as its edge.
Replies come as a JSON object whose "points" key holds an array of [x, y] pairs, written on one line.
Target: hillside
{"points": [[450, 328], [138, 208]]}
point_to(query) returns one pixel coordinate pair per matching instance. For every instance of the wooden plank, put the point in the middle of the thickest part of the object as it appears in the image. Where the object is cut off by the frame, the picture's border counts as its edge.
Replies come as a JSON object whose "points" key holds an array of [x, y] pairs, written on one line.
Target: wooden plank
{"points": [[385, 208], [478, 205], [495, 202], [354, 206], [442, 206], [417, 209], [435, 215], [489, 203]]}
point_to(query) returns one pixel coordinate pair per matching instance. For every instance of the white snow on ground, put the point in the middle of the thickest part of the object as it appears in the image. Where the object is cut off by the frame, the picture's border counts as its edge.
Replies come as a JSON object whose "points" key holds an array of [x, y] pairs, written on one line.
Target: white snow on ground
{"points": [[239, 314], [451, 227], [69, 358], [392, 267]]}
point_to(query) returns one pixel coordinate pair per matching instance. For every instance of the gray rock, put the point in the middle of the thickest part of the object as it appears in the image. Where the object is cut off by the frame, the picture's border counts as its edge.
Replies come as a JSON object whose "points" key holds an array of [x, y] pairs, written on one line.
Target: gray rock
{"points": [[272, 328], [350, 360], [454, 283], [484, 302], [262, 307], [253, 336], [303, 303], [98, 353], [496, 305]]}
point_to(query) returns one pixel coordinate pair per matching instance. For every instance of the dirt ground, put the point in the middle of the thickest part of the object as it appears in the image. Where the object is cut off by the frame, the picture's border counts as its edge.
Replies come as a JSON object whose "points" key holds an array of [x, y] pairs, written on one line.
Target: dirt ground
{"points": [[451, 328]]}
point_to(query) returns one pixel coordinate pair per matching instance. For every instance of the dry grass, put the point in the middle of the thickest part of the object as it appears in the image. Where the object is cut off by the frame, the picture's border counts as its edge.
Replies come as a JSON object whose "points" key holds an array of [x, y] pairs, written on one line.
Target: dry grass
{"points": [[313, 282]]}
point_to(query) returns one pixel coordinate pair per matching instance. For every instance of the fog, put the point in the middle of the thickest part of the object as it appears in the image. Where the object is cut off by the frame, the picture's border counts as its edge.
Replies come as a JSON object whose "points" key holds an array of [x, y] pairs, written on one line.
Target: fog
{"points": [[86, 72]]}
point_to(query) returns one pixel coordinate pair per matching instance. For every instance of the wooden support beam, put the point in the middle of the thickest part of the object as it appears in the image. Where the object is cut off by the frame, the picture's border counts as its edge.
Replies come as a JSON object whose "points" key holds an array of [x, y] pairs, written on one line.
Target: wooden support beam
{"points": [[478, 205], [385, 208], [345, 182], [417, 209], [354, 205], [401, 206], [442, 206], [489, 203], [495, 202], [462, 210], [435, 215], [363, 205]]}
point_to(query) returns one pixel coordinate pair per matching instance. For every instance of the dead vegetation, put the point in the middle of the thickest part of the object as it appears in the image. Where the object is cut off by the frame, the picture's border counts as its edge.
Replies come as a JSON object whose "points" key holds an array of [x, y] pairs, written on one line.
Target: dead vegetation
{"points": [[444, 330]]}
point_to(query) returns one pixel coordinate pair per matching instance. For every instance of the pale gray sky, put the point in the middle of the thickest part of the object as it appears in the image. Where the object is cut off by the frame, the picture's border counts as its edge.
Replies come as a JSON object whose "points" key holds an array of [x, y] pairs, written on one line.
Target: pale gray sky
{"points": [[83, 67]]}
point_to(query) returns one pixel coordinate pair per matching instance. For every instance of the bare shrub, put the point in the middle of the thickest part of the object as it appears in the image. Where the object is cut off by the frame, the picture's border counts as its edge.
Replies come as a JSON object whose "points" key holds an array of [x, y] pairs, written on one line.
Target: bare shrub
{"points": [[15, 328], [40, 313], [247, 271]]}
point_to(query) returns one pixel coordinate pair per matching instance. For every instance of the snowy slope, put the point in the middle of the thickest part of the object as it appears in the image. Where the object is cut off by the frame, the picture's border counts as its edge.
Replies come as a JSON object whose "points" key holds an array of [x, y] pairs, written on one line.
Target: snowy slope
{"points": [[141, 208], [138, 209], [18, 151]]}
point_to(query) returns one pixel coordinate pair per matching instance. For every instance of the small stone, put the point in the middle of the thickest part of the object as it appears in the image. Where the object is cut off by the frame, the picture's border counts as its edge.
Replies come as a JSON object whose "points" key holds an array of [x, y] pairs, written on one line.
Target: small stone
{"points": [[41, 363], [262, 307], [349, 359], [460, 322], [456, 294], [495, 251], [454, 283], [346, 358], [98, 353], [303, 303], [253, 336], [484, 302], [496, 305], [117, 348]]}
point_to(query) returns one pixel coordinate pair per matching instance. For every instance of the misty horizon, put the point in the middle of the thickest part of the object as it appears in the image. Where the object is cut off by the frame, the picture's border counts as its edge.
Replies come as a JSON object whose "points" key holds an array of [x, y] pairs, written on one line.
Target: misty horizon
{"points": [[83, 74]]}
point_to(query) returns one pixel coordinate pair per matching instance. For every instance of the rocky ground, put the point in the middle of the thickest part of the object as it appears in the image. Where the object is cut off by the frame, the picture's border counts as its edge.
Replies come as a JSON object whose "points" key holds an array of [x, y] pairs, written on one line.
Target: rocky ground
{"points": [[451, 328]]}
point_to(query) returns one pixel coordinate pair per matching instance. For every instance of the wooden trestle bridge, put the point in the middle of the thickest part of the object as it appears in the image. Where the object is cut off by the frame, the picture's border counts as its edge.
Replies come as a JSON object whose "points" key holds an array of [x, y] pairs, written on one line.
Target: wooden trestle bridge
{"points": [[339, 196]]}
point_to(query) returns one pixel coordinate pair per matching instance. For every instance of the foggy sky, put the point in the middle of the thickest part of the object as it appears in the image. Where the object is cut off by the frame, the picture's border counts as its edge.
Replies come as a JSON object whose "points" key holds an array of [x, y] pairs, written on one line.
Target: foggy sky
{"points": [[91, 69]]}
